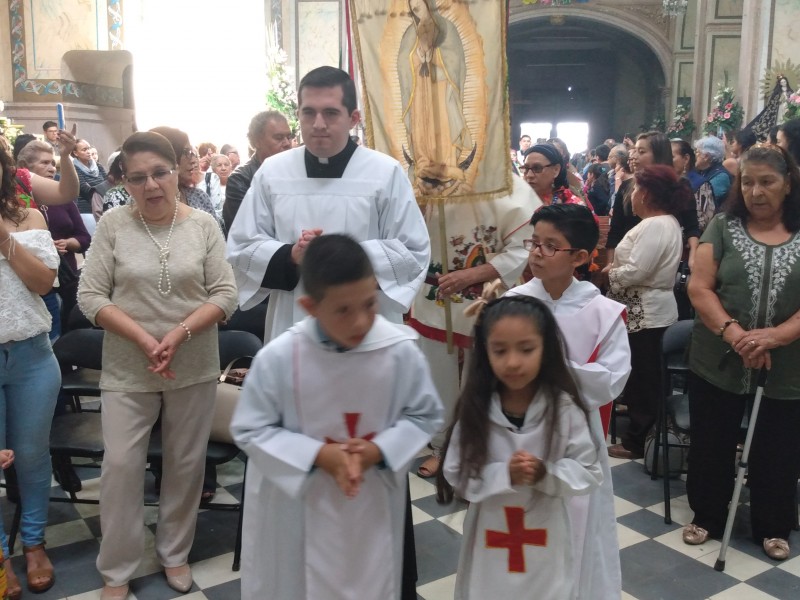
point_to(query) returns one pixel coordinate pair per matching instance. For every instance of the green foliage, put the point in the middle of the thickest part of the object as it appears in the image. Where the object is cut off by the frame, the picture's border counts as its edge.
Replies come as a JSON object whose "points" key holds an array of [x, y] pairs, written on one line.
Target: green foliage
{"points": [[682, 125]]}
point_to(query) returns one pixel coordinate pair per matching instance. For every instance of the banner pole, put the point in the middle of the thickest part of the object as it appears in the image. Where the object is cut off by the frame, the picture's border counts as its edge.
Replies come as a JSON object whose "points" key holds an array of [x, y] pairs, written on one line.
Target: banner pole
{"points": [[448, 314]]}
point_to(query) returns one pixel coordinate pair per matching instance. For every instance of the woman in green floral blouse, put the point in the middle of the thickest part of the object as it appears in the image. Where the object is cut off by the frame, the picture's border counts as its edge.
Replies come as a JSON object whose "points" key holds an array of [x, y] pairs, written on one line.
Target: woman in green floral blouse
{"points": [[745, 288]]}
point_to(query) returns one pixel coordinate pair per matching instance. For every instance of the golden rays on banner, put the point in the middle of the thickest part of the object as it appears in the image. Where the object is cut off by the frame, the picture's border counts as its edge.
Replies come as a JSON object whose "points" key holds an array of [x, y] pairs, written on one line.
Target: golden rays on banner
{"points": [[434, 76]]}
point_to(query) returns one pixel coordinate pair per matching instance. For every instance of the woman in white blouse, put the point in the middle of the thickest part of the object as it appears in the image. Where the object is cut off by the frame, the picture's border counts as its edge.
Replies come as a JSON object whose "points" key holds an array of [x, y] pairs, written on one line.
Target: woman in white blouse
{"points": [[29, 374], [642, 277]]}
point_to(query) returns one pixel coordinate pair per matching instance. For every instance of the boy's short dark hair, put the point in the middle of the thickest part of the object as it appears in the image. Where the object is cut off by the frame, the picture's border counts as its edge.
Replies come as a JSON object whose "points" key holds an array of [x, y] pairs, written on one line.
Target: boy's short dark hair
{"points": [[48, 124], [333, 259], [573, 221]]}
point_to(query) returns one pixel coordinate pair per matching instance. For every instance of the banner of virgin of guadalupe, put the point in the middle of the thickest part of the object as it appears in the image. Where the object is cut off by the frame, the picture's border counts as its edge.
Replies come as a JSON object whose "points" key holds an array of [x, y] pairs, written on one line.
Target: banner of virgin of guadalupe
{"points": [[434, 75]]}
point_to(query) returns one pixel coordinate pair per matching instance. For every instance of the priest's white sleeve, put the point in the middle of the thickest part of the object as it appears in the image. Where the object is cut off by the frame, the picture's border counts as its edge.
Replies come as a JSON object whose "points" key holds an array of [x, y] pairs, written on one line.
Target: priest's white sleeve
{"points": [[252, 242], [282, 456], [515, 224], [579, 471], [402, 252], [604, 379], [494, 478], [421, 414]]}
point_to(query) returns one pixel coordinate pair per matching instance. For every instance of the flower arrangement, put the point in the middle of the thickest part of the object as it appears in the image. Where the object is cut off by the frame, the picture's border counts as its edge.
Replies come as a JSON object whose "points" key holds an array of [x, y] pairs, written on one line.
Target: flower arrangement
{"points": [[792, 107], [682, 124], [9, 129], [659, 123], [282, 95], [727, 114]]}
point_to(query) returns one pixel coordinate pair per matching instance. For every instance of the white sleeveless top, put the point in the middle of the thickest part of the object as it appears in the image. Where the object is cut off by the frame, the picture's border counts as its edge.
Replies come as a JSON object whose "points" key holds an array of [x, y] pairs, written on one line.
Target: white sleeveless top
{"points": [[23, 313]]}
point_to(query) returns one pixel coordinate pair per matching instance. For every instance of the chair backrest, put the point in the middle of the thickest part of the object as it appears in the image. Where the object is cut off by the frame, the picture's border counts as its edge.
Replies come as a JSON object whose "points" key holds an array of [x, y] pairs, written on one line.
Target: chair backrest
{"points": [[236, 344], [251, 321], [677, 337], [77, 320], [80, 348]]}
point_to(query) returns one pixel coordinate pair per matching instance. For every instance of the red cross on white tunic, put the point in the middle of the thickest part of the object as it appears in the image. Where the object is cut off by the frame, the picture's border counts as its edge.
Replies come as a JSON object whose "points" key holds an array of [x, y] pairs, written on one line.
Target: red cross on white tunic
{"points": [[516, 538], [351, 422]]}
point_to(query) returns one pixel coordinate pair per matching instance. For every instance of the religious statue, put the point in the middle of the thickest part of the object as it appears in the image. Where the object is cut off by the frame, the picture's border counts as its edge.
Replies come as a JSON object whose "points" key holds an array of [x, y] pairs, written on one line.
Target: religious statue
{"points": [[774, 109], [432, 71]]}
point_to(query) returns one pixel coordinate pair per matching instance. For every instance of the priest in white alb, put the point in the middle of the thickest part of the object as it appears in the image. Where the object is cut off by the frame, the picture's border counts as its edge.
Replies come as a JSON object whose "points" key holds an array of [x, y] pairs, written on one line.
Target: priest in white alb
{"points": [[331, 185]]}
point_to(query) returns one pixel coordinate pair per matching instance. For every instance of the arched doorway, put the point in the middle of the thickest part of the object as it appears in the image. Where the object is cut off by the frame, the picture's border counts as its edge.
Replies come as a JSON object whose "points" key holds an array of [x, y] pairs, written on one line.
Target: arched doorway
{"points": [[586, 68]]}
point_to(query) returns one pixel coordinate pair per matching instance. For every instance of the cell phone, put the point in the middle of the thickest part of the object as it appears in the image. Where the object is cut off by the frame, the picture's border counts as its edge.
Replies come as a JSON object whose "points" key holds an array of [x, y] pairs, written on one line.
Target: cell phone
{"points": [[62, 123]]}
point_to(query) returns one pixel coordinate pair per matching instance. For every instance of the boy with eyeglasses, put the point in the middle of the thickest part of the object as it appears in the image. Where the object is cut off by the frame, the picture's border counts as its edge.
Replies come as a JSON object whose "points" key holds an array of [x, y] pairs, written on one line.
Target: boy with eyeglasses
{"points": [[564, 238]]}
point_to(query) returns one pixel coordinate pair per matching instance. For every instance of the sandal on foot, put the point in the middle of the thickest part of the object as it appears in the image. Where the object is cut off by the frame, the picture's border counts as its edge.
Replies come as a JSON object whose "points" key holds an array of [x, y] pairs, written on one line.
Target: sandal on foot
{"points": [[776, 548], [13, 586], [40, 579], [694, 535], [430, 465]]}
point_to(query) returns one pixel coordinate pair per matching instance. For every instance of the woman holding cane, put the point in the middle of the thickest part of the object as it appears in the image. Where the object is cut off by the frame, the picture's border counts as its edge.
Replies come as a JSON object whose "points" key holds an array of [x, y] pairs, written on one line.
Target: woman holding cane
{"points": [[746, 290]]}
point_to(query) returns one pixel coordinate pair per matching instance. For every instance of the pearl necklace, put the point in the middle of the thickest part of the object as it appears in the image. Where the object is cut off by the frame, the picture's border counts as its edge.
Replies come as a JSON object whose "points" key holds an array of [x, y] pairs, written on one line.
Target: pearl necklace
{"points": [[163, 252]]}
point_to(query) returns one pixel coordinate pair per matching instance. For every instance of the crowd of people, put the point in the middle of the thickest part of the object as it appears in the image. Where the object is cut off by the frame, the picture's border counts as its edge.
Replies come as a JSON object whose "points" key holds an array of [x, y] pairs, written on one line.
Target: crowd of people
{"points": [[330, 236]]}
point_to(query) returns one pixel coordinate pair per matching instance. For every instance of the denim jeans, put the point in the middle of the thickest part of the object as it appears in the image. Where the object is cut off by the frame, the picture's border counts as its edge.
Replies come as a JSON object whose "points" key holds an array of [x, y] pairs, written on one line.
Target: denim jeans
{"points": [[53, 304], [29, 384]]}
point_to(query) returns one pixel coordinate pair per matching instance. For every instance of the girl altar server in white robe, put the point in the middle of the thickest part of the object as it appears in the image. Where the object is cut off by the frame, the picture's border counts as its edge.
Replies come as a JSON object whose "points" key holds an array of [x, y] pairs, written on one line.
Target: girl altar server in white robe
{"points": [[342, 385], [519, 449], [599, 359]]}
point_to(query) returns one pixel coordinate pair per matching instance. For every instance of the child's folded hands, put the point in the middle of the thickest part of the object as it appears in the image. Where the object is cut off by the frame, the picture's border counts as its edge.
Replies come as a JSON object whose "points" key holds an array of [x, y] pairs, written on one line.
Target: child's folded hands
{"points": [[525, 469]]}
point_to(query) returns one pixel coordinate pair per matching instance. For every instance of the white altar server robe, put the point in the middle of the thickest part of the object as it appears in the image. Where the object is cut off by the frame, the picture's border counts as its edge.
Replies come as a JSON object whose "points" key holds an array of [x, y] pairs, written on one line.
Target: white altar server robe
{"points": [[600, 361], [517, 540], [303, 539]]}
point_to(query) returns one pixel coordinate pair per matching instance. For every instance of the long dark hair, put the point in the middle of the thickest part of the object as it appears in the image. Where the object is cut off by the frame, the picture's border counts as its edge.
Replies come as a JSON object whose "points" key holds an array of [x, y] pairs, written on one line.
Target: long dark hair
{"points": [[685, 149], [472, 409], [9, 205], [659, 146]]}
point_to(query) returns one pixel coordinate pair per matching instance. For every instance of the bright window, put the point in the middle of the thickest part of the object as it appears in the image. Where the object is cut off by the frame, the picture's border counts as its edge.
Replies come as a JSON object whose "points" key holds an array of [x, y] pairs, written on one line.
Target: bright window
{"points": [[575, 135], [535, 130]]}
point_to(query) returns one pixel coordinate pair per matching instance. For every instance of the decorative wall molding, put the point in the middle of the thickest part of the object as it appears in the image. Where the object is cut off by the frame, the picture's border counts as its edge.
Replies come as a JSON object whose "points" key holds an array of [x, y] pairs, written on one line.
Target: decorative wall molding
{"points": [[28, 89]]}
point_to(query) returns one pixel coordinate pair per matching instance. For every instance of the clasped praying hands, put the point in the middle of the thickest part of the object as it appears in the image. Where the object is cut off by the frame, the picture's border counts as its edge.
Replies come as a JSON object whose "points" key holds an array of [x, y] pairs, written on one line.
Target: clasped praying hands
{"points": [[347, 461], [525, 469]]}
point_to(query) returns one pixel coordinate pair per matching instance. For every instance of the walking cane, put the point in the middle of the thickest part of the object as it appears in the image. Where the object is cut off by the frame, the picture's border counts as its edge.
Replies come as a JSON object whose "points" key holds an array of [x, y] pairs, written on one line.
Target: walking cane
{"points": [[751, 426]]}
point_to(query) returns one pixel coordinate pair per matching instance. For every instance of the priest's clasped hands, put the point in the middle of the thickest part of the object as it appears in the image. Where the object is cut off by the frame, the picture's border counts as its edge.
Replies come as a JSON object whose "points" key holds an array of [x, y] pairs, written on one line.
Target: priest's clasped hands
{"points": [[347, 461], [525, 469]]}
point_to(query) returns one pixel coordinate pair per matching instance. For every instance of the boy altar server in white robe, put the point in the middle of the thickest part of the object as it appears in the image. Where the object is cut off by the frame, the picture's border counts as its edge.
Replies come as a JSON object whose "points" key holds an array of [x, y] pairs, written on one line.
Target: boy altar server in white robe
{"points": [[330, 185], [331, 415], [599, 357]]}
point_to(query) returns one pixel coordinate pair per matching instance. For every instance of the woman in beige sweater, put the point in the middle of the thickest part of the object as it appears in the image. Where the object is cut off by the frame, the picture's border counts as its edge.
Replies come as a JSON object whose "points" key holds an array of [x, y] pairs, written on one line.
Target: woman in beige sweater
{"points": [[157, 281]]}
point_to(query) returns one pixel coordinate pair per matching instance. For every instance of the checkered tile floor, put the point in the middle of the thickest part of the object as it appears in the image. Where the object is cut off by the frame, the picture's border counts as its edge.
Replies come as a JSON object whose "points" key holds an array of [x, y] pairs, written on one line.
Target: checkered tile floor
{"points": [[655, 562]]}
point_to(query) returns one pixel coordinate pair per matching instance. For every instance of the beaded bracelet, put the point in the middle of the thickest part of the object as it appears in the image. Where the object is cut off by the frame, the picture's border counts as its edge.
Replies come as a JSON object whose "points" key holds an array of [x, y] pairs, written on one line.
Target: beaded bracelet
{"points": [[188, 331], [725, 325]]}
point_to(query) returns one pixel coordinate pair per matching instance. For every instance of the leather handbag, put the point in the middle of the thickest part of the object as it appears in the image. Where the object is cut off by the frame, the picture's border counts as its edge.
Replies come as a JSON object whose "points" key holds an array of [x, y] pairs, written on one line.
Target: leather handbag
{"points": [[229, 387]]}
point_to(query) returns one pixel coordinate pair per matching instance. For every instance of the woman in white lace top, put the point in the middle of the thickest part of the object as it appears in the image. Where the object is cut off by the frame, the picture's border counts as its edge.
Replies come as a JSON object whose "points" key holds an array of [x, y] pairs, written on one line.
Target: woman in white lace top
{"points": [[29, 374], [642, 277]]}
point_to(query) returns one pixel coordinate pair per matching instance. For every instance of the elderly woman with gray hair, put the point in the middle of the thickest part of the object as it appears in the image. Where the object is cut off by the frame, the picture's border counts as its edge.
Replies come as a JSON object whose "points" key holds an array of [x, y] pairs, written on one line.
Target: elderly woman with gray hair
{"points": [[709, 154]]}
